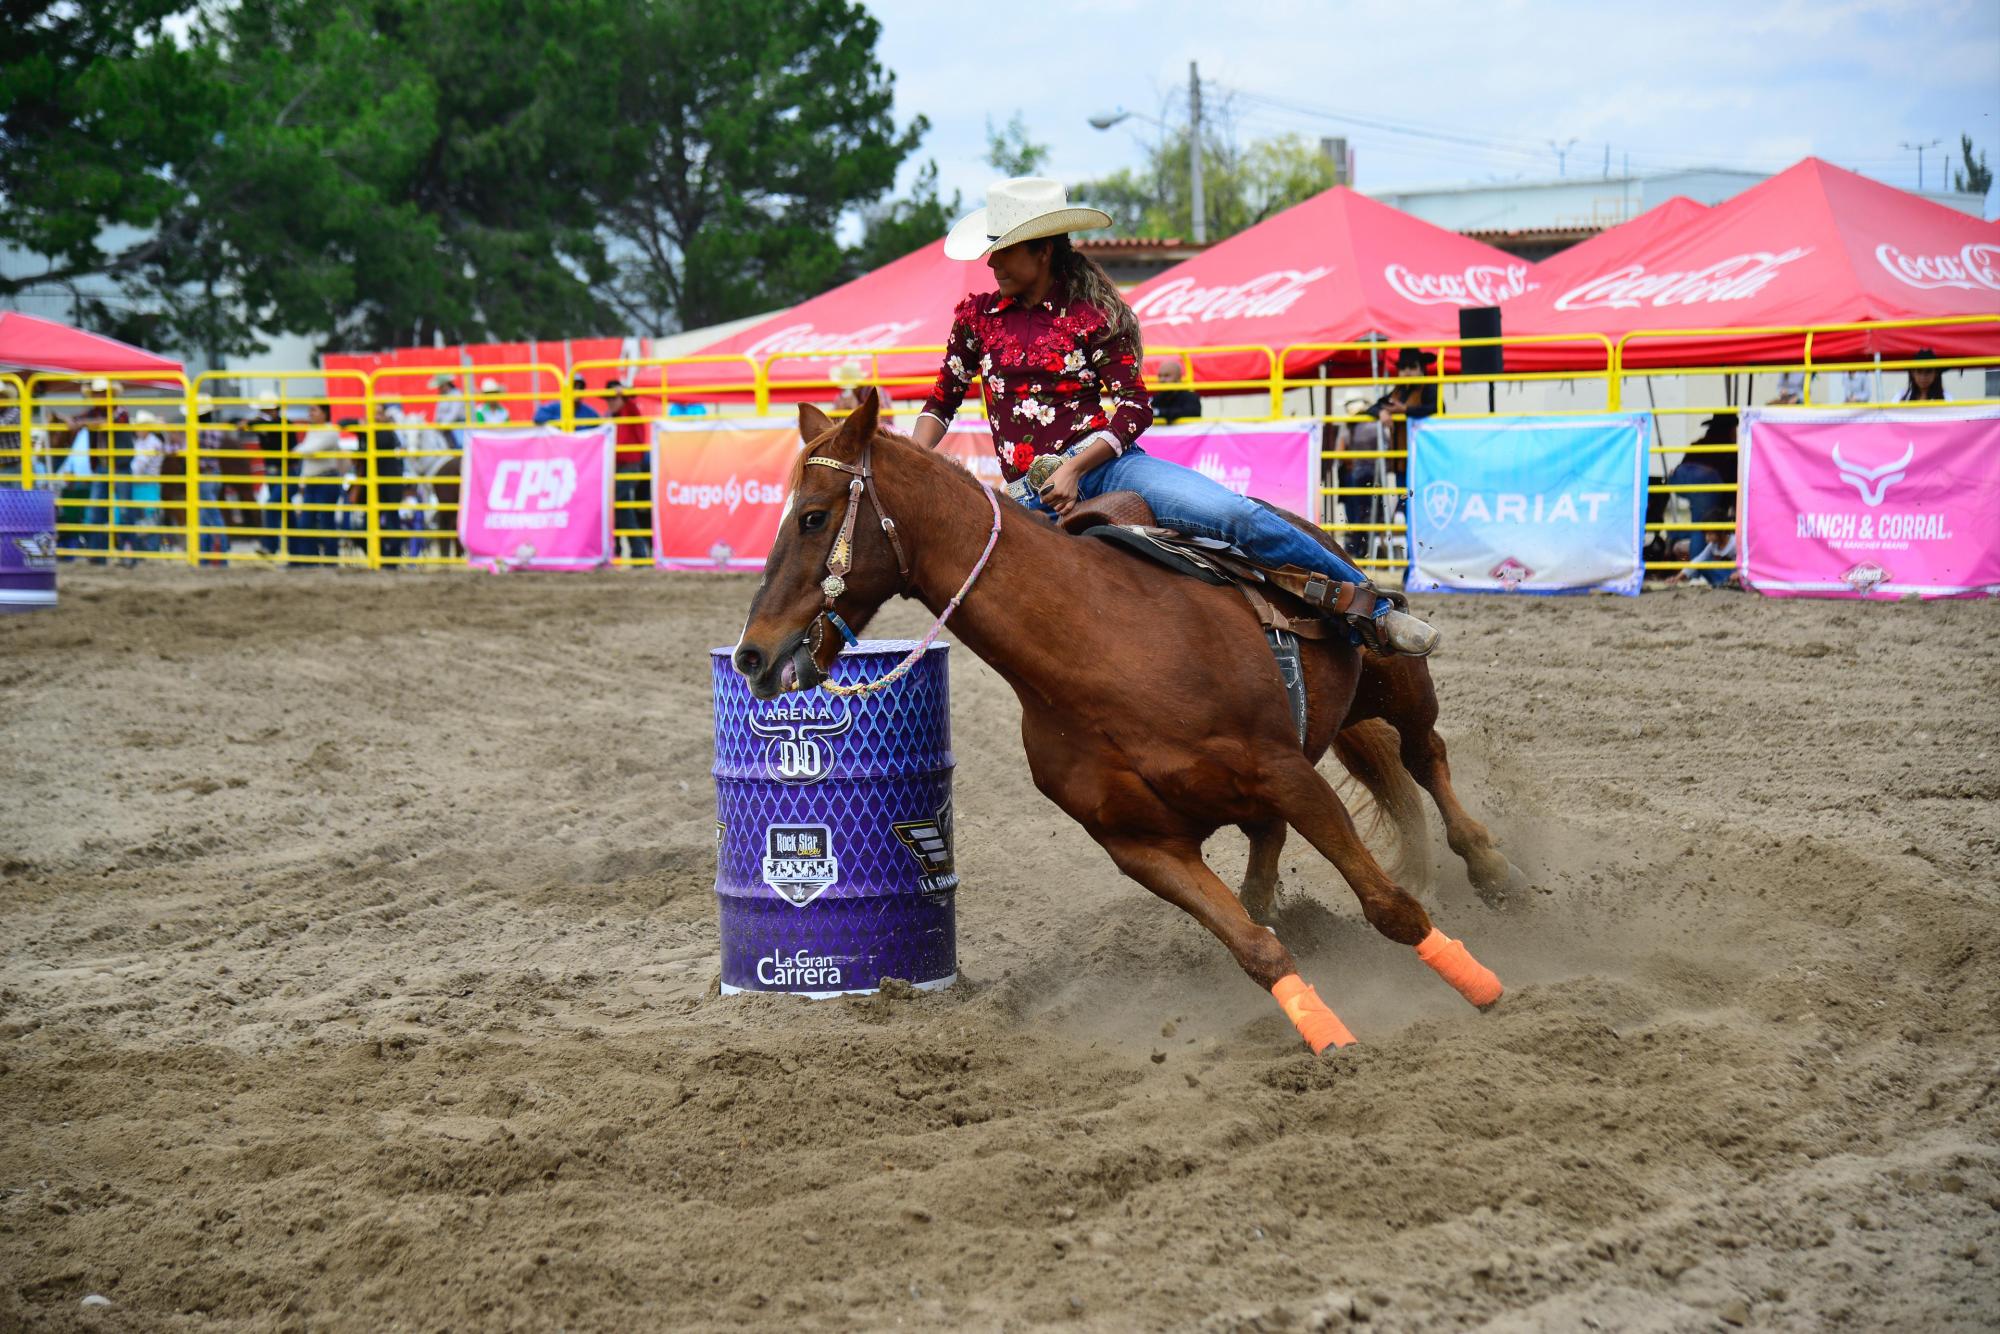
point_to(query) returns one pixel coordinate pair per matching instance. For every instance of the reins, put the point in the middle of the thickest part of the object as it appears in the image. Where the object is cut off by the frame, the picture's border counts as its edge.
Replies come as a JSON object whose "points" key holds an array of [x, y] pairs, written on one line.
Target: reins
{"points": [[840, 562]]}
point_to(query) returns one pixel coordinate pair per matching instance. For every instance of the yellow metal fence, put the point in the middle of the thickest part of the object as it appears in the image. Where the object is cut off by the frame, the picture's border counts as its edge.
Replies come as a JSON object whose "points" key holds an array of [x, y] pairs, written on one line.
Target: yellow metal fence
{"points": [[345, 468]]}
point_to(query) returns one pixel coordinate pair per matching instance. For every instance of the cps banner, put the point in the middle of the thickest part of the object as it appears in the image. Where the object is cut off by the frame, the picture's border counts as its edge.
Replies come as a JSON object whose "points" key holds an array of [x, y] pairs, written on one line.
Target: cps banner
{"points": [[1871, 504], [1528, 505], [536, 501], [721, 485]]}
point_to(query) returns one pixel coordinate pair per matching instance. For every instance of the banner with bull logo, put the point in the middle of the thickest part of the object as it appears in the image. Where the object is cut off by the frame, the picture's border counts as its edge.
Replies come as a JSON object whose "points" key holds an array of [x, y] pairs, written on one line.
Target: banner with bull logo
{"points": [[1871, 504], [1528, 504], [536, 501], [721, 485]]}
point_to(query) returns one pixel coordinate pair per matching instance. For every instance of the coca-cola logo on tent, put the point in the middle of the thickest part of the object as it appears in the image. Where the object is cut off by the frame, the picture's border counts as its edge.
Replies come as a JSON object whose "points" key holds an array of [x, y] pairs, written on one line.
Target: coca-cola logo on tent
{"points": [[1478, 285], [796, 339], [1181, 302], [1732, 279], [1974, 267]]}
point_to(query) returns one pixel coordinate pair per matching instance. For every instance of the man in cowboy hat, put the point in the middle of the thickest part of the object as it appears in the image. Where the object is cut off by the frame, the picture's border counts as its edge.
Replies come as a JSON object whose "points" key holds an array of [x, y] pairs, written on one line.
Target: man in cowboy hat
{"points": [[1058, 352]]}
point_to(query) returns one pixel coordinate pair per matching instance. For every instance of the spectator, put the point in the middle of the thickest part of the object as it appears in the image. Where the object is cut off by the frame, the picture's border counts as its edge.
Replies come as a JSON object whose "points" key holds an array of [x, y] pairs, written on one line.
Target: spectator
{"points": [[320, 468], [850, 375], [1705, 469], [76, 484], [1926, 382], [550, 414], [634, 487], [209, 440], [1173, 401], [149, 451], [491, 409], [273, 436], [448, 413], [1411, 401], [388, 497], [678, 408]]}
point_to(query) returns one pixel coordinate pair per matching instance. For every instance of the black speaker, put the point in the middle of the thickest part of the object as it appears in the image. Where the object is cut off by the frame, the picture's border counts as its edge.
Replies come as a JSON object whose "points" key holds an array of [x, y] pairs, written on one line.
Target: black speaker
{"points": [[1480, 322]]}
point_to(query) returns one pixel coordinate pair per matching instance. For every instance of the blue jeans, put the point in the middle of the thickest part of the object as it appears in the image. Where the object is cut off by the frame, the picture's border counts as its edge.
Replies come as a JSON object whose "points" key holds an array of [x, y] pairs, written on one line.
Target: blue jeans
{"points": [[1703, 506], [318, 524], [1185, 501]]}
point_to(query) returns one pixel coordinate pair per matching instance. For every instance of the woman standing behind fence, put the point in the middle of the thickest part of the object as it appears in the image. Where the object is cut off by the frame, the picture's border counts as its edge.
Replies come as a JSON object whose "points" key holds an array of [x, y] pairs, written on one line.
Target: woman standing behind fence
{"points": [[1926, 383], [321, 463]]}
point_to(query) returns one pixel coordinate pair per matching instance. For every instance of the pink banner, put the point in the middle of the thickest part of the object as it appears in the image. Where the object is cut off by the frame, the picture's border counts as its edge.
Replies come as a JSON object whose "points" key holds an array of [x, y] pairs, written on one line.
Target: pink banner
{"points": [[536, 501], [1271, 461], [1872, 504]]}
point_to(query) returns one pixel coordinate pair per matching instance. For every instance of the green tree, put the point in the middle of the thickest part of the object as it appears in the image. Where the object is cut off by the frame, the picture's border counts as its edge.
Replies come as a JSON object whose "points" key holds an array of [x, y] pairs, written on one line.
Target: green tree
{"points": [[756, 124], [1241, 186], [1975, 177], [1011, 152], [892, 230]]}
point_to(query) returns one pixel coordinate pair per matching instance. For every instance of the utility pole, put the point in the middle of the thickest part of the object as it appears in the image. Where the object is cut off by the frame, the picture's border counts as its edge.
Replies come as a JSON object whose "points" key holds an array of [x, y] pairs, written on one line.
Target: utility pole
{"points": [[1920, 160], [1562, 155], [1194, 154]]}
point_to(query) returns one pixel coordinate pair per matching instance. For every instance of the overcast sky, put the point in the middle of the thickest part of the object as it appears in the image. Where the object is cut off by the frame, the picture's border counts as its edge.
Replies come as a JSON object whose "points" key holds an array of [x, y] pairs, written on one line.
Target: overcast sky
{"points": [[1467, 92]]}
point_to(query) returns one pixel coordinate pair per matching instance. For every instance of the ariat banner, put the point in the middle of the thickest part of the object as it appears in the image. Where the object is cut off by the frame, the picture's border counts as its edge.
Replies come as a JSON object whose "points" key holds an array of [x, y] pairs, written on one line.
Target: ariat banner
{"points": [[1871, 504], [721, 485], [539, 501], [1527, 504]]}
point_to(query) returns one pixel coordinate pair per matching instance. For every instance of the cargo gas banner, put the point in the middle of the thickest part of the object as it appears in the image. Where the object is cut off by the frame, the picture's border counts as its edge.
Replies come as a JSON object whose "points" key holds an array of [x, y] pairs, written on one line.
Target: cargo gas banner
{"points": [[1871, 504], [1528, 504], [536, 501], [720, 485]]}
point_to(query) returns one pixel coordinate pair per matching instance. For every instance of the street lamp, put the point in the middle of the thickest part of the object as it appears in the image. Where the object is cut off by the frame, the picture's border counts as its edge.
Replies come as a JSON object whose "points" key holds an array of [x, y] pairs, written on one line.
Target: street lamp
{"points": [[1920, 159], [1195, 201]]}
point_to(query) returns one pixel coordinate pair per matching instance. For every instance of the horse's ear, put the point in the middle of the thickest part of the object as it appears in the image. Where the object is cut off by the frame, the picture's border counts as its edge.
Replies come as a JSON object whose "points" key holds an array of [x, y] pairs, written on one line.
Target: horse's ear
{"points": [[812, 423], [860, 423]]}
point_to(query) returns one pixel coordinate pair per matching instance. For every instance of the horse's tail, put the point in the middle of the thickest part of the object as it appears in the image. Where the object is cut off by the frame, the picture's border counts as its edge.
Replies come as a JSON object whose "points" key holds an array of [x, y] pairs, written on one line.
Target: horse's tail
{"points": [[1371, 750]]}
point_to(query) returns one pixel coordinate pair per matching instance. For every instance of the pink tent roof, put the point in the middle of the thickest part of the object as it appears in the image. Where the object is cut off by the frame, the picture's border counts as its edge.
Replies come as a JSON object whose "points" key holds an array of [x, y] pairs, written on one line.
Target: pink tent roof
{"points": [[1335, 268], [43, 345], [907, 303], [1813, 245]]}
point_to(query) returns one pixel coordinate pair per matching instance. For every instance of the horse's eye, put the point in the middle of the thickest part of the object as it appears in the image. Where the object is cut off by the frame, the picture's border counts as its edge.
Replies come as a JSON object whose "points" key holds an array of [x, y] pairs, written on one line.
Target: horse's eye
{"points": [[812, 521]]}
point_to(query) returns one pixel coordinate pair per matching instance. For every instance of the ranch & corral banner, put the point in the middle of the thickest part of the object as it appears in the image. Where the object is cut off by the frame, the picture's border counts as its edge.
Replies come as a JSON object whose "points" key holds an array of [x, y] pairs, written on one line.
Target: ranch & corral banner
{"points": [[720, 485], [1871, 503], [1528, 505], [536, 501]]}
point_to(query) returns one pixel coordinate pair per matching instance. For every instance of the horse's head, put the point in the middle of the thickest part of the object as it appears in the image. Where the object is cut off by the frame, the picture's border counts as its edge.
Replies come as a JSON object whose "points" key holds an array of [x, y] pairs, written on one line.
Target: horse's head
{"points": [[790, 639]]}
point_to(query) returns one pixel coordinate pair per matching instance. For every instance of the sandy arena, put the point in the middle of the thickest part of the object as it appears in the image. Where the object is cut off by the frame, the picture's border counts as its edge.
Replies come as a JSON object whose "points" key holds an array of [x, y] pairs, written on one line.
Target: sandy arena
{"points": [[361, 956]]}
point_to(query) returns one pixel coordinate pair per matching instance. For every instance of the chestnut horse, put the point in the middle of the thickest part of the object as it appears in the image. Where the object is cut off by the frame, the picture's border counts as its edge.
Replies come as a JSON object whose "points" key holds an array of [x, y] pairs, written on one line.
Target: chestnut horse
{"points": [[1152, 711]]}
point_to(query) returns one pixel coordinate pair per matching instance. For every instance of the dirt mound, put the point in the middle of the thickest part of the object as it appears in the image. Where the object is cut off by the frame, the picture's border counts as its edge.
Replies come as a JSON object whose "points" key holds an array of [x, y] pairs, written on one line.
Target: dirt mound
{"points": [[361, 975]]}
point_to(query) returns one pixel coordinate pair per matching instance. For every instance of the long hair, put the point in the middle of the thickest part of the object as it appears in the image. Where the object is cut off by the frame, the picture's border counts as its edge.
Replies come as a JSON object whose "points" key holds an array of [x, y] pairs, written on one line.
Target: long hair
{"points": [[1083, 279], [1936, 392]]}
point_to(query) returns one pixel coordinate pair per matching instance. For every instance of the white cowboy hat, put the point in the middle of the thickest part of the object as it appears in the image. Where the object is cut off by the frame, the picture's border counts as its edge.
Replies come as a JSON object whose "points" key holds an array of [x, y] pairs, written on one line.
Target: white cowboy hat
{"points": [[489, 385], [444, 380], [145, 418], [1020, 209], [848, 374]]}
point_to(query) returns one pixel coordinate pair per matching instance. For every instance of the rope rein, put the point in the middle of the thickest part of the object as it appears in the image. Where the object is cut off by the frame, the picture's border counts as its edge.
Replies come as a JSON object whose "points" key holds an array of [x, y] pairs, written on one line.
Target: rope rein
{"points": [[896, 673]]}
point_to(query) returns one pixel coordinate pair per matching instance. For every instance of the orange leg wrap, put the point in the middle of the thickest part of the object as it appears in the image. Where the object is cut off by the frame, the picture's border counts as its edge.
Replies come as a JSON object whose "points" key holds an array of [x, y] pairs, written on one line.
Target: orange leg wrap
{"points": [[1319, 1026], [1455, 964]]}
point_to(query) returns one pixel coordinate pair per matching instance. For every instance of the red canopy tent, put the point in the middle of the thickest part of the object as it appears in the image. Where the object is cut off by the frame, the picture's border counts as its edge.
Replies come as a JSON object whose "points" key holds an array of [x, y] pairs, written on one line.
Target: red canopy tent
{"points": [[1814, 245], [1336, 268], [43, 345], [907, 303]]}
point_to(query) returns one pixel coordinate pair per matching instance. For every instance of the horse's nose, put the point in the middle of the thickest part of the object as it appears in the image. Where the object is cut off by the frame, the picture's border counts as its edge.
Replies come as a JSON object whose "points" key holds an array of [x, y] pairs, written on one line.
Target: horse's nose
{"points": [[748, 661]]}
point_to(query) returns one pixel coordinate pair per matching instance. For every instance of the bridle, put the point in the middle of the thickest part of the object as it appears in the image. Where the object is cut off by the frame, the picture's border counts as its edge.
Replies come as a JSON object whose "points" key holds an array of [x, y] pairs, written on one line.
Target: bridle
{"points": [[840, 562]]}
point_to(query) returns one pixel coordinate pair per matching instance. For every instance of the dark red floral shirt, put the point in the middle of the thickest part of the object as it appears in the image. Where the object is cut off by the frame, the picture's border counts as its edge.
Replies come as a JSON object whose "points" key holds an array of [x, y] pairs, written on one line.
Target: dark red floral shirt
{"points": [[1051, 377]]}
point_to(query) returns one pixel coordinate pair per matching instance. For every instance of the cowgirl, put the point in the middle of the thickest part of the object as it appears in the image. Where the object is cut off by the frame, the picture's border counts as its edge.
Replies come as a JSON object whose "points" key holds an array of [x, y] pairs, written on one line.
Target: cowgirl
{"points": [[1058, 351]]}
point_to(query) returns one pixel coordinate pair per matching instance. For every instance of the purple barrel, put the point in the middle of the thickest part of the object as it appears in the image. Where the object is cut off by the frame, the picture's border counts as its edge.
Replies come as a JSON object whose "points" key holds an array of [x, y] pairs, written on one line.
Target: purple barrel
{"points": [[833, 832], [27, 550]]}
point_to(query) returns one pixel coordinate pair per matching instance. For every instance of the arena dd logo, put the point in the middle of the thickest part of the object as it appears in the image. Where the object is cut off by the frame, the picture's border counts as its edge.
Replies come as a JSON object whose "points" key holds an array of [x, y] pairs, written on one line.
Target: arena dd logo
{"points": [[801, 737]]}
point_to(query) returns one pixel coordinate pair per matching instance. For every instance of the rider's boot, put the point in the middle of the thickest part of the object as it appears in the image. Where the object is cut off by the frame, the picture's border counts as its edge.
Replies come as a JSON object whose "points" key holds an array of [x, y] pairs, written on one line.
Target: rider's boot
{"points": [[1400, 632]]}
